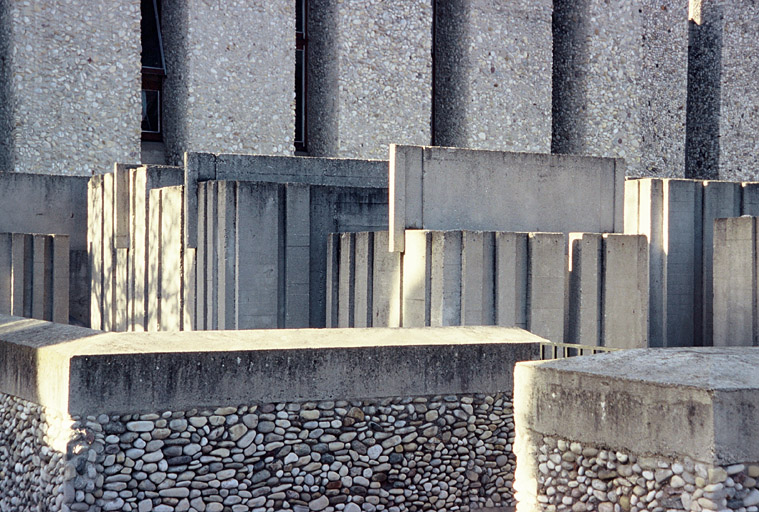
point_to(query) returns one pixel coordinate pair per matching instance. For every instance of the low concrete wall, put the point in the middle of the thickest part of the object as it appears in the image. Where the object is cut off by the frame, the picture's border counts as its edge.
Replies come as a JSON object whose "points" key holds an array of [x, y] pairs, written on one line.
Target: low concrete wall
{"points": [[677, 217], [638, 429], [300, 419], [494, 278], [451, 188]]}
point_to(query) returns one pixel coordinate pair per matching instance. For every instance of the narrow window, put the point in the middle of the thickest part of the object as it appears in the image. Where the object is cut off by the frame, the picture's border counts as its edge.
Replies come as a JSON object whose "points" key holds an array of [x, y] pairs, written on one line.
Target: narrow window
{"points": [[153, 71], [300, 76]]}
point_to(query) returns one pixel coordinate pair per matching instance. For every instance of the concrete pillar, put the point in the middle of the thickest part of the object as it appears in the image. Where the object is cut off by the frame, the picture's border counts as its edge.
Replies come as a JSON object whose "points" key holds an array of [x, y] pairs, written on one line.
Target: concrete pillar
{"points": [[386, 303], [619, 89], [493, 69], [6, 273], [332, 302], [445, 278], [363, 290], [346, 283], [735, 276], [21, 261], [477, 278], [723, 90], [109, 255], [297, 257], [369, 76], [511, 273], [171, 265], [585, 289], [545, 285], [95, 249], [416, 279], [226, 251]]}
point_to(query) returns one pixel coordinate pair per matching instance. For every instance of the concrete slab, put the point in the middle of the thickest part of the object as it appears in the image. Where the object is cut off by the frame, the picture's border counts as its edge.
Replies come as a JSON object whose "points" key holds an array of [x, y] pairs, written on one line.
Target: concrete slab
{"points": [[446, 188]]}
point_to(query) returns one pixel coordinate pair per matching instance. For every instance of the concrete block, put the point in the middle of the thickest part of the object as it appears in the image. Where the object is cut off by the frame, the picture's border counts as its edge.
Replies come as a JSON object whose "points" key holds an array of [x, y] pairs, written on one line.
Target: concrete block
{"points": [[386, 310], [109, 254], [545, 285], [122, 214], [445, 278], [95, 249], [446, 188], [585, 289], [171, 259], [735, 273], [477, 278], [750, 199], [485, 96], [415, 298], [297, 254], [197, 167], [346, 280], [6, 273], [511, 273], [61, 279], [153, 301], [42, 277], [363, 274]]}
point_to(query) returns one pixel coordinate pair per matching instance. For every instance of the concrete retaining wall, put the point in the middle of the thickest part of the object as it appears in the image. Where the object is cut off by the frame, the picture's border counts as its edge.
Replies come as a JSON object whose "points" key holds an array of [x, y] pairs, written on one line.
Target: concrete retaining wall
{"points": [[299, 419], [494, 278], [639, 430], [677, 217], [450, 188]]}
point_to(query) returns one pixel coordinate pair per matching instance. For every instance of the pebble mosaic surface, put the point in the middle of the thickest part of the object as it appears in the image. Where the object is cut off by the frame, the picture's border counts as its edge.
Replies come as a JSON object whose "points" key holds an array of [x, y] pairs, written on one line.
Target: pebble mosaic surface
{"points": [[577, 477], [422, 453]]}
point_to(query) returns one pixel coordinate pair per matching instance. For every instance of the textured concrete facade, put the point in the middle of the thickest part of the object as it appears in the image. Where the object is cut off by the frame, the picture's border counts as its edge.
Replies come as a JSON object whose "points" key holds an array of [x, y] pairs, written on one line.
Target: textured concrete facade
{"points": [[620, 75], [230, 76], [370, 76], [70, 95], [723, 86], [493, 74]]}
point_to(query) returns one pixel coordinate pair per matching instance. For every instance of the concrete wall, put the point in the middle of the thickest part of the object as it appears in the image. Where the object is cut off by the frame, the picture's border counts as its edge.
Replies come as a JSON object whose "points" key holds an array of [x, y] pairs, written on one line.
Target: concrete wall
{"points": [[70, 86], [653, 429], [735, 311], [494, 278], [448, 188], [492, 82], [620, 82], [677, 218], [230, 77], [369, 76], [722, 90], [300, 409]]}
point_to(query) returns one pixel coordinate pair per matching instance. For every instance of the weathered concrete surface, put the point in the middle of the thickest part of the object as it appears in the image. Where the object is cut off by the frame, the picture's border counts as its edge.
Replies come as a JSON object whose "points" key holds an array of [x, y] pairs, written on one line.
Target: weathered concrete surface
{"points": [[83, 371], [694, 402], [452, 188]]}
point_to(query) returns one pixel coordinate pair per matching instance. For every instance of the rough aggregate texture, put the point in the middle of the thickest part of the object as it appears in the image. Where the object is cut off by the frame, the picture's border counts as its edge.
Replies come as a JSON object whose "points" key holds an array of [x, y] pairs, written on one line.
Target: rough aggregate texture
{"points": [[71, 85], [370, 75], [620, 82], [577, 477], [230, 77], [493, 75]]}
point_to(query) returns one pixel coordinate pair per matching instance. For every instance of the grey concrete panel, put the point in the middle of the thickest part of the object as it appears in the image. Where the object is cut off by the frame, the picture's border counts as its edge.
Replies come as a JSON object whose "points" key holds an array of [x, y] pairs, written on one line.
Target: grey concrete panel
{"points": [[625, 292], [226, 250], [721, 199], [121, 291], [211, 260], [363, 284], [585, 294], [21, 262], [445, 278], [545, 285], [750, 199], [632, 206], [95, 249], [116, 371], [333, 281], [386, 310], [121, 207], [455, 184], [477, 278], [511, 273], [153, 297], [6, 273], [259, 255], [109, 258], [346, 281], [297, 241], [197, 167], [171, 269], [42, 277], [201, 292], [415, 273], [735, 274], [616, 400], [189, 276]]}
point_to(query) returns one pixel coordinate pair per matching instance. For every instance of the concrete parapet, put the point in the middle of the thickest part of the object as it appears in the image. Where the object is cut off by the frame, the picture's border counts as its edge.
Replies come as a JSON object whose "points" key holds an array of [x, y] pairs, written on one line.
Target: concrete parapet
{"points": [[669, 417], [735, 313], [451, 188], [677, 217]]}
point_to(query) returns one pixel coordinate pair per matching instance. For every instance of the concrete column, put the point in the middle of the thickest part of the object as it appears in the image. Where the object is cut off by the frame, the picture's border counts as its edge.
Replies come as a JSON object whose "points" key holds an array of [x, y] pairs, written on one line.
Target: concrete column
{"points": [[416, 279], [735, 277], [42, 278], [171, 266], [386, 303], [95, 249], [511, 260], [585, 289], [445, 279], [189, 295], [369, 76], [226, 250], [332, 302], [6, 273], [346, 284], [477, 278], [619, 82], [545, 285], [201, 255], [363, 275], [493, 69], [154, 260], [21, 262], [109, 254], [297, 257]]}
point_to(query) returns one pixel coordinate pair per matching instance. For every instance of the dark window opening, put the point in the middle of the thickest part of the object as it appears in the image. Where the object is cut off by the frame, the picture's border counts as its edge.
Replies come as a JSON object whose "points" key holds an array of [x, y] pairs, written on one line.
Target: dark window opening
{"points": [[153, 70], [300, 75]]}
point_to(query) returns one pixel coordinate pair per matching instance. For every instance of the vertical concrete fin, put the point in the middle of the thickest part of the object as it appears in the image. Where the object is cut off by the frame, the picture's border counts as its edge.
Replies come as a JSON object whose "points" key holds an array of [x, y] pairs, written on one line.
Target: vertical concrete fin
{"points": [[346, 285], [445, 278], [297, 255], [364, 256], [386, 303], [416, 278], [547, 276], [153, 304], [121, 207], [197, 167], [333, 280], [6, 274]]}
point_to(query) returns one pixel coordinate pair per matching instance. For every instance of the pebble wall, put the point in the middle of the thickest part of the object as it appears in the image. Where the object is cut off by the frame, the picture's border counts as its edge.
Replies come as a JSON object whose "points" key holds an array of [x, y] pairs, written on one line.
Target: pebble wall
{"points": [[71, 91], [421, 453], [577, 477]]}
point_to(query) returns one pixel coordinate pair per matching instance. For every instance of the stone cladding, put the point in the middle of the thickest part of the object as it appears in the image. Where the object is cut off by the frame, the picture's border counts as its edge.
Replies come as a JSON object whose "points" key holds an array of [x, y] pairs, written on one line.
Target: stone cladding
{"points": [[370, 76], [577, 477], [70, 94], [230, 77]]}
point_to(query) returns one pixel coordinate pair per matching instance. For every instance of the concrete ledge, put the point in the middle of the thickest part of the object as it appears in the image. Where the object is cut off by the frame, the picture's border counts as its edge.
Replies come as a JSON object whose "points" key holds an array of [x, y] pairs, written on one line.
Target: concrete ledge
{"points": [[698, 403], [86, 372]]}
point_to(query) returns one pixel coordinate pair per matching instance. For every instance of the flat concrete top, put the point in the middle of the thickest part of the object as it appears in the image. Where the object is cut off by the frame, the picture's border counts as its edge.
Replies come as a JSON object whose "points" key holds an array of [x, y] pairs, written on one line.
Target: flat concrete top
{"points": [[87, 372], [710, 368], [696, 402]]}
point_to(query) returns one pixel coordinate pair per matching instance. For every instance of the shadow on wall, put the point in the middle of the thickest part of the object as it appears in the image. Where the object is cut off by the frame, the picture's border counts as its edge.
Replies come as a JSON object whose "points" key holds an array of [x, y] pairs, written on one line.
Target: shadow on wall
{"points": [[702, 142]]}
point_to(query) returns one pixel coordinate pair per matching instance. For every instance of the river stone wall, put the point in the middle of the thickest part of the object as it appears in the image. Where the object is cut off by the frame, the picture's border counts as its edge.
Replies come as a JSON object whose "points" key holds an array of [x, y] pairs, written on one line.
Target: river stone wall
{"points": [[450, 452], [577, 477]]}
